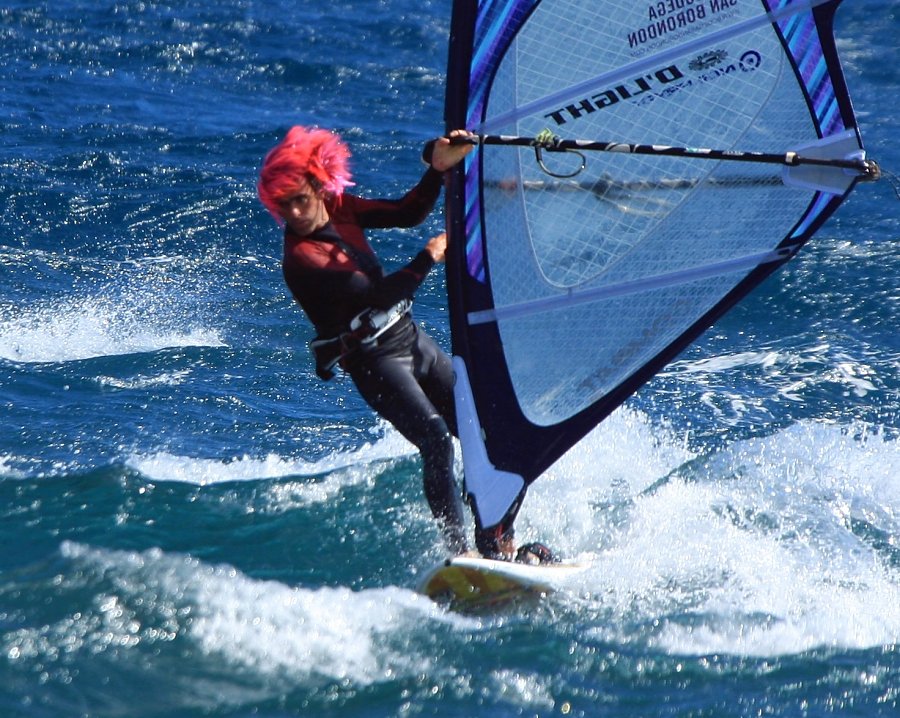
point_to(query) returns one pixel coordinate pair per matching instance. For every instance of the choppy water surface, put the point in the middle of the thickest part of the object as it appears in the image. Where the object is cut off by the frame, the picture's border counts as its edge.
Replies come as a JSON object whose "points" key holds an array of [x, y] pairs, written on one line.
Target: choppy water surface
{"points": [[192, 524]]}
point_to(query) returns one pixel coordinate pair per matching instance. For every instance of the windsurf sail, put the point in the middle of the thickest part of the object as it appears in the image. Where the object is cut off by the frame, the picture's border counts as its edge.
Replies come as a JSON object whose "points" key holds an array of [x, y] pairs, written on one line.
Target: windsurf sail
{"points": [[574, 278]]}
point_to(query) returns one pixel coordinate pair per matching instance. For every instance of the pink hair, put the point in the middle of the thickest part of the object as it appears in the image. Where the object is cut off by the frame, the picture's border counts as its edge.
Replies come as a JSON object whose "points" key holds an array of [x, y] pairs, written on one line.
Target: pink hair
{"points": [[317, 156]]}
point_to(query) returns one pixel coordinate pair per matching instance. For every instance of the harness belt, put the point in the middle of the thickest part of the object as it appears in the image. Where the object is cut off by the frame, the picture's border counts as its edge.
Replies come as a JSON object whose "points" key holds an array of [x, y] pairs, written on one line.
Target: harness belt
{"points": [[364, 329]]}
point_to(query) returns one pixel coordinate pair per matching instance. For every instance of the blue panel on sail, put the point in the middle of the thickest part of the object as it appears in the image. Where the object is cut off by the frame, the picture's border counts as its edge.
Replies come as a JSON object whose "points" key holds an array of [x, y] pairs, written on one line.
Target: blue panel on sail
{"points": [[569, 292]]}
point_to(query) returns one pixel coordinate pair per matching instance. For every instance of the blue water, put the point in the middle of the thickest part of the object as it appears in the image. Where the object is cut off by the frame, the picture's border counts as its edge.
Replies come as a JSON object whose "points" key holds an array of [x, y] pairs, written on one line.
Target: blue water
{"points": [[193, 525]]}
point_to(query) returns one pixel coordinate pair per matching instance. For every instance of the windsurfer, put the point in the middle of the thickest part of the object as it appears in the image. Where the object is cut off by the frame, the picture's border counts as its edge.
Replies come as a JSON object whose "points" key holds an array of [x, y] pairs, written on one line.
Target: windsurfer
{"points": [[361, 315]]}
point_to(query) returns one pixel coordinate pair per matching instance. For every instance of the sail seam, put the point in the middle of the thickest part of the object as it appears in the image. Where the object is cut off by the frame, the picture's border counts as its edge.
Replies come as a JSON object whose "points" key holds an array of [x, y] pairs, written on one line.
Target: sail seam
{"points": [[660, 281]]}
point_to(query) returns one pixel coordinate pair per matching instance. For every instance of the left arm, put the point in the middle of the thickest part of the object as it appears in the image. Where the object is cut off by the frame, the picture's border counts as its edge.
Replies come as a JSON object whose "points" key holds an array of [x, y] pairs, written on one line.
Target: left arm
{"points": [[403, 283]]}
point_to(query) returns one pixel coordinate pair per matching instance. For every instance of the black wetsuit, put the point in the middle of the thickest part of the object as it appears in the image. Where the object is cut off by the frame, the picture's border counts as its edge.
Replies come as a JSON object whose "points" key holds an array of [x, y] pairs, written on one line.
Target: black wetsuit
{"points": [[334, 275]]}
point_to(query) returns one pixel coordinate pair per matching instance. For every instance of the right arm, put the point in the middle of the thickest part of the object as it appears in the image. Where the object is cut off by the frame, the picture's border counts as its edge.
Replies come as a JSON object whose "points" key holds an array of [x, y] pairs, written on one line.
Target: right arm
{"points": [[332, 289], [415, 205], [408, 211]]}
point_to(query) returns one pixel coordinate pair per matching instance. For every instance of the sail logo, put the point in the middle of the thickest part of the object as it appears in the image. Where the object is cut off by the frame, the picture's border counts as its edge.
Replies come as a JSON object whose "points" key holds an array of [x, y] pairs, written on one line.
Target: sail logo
{"points": [[708, 60], [748, 62], [708, 67], [630, 90], [663, 83]]}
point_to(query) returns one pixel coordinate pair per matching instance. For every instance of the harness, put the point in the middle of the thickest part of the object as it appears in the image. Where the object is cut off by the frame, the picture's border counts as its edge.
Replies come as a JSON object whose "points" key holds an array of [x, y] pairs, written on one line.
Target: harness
{"points": [[364, 329]]}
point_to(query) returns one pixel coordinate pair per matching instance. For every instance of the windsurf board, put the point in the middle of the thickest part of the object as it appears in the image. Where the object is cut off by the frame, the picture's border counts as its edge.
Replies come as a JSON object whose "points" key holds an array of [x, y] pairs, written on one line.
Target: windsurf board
{"points": [[474, 583]]}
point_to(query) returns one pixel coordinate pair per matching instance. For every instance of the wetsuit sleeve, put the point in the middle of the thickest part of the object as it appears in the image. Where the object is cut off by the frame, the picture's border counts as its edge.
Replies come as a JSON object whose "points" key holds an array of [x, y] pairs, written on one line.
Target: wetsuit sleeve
{"points": [[361, 291], [332, 290], [401, 284], [408, 211]]}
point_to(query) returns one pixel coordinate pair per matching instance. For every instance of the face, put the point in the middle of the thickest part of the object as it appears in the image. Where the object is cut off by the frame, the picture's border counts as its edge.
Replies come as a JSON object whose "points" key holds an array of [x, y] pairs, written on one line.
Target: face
{"points": [[304, 210]]}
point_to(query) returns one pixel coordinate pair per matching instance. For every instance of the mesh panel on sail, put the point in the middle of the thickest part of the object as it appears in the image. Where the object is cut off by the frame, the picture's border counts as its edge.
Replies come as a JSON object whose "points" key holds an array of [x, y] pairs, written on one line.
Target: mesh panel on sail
{"points": [[628, 218]]}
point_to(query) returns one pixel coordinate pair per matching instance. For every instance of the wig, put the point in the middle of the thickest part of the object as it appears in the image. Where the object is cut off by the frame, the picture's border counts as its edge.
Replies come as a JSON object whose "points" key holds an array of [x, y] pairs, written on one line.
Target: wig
{"points": [[317, 156]]}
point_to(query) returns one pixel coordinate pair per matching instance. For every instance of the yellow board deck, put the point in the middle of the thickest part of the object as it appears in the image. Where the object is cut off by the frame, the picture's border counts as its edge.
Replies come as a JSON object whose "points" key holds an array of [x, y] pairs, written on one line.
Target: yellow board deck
{"points": [[477, 583]]}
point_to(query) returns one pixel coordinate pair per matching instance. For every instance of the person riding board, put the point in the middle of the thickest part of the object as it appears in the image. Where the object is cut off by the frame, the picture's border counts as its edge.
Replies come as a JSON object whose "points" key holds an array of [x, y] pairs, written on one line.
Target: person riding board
{"points": [[361, 315]]}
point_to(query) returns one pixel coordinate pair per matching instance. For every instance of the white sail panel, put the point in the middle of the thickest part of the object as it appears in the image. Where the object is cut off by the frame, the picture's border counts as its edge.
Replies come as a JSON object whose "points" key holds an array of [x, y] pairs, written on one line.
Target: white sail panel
{"points": [[628, 218], [573, 280]]}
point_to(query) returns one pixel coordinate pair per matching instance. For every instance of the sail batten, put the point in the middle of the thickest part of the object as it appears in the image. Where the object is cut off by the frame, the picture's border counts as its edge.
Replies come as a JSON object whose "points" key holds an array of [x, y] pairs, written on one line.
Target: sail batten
{"points": [[573, 281], [571, 298]]}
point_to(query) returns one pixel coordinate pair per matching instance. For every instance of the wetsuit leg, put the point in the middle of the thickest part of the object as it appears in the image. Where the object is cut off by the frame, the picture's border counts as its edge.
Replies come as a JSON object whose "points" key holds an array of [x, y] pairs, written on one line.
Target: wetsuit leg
{"points": [[390, 383], [439, 484], [435, 372], [436, 378]]}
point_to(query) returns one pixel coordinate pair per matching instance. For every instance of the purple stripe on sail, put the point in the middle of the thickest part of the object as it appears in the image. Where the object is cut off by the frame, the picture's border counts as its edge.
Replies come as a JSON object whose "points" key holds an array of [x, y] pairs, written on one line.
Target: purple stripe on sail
{"points": [[497, 24], [802, 38], [801, 35]]}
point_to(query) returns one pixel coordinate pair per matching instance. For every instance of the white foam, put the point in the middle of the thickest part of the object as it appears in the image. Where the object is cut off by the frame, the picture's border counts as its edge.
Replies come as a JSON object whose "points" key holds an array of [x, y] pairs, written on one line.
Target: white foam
{"points": [[77, 328], [726, 362], [163, 466], [289, 635], [789, 375], [342, 469], [617, 460], [759, 551], [7, 471], [145, 382], [527, 691]]}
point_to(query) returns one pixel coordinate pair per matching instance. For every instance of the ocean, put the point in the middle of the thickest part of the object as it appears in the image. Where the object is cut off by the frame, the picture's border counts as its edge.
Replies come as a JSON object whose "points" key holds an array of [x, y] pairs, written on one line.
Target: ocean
{"points": [[191, 524]]}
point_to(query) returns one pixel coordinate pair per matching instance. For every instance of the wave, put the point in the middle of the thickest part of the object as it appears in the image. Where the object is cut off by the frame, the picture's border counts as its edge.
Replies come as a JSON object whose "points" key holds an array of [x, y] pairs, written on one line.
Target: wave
{"points": [[85, 328], [163, 466], [154, 610], [771, 546]]}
